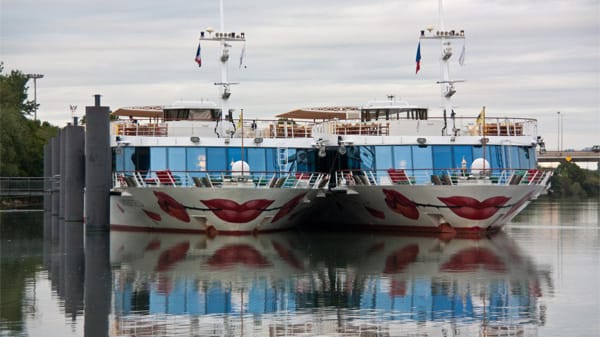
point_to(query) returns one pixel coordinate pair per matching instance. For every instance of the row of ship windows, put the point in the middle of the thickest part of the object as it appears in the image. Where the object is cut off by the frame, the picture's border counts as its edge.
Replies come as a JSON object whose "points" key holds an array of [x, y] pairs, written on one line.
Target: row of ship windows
{"points": [[201, 159]]}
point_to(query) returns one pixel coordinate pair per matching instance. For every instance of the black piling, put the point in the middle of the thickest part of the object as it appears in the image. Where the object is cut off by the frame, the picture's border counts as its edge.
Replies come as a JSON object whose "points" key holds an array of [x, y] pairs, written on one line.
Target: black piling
{"points": [[74, 174], [97, 167], [55, 146], [62, 161]]}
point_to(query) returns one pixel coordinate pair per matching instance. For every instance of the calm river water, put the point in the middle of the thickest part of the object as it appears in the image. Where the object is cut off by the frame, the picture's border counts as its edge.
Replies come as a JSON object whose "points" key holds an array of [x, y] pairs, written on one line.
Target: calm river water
{"points": [[540, 277]]}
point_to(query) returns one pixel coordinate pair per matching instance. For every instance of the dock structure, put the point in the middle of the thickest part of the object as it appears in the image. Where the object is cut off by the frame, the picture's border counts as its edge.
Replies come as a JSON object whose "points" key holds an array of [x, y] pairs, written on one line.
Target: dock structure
{"points": [[97, 166], [77, 176]]}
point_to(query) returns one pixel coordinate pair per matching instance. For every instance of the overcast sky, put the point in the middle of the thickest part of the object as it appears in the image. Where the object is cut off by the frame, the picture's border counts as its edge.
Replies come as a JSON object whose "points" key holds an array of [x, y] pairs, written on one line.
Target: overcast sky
{"points": [[524, 58]]}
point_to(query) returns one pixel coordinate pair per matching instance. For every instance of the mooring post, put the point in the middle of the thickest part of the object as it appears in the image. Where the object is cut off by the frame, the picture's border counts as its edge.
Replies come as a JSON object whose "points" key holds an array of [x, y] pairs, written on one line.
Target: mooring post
{"points": [[55, 149], [47, 190], [74, 173], [97, 167], [62, 170]]}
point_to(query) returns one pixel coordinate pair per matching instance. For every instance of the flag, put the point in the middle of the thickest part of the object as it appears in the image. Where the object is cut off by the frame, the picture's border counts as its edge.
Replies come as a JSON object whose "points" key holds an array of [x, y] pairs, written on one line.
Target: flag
{"points": [[241, 121], [242, 55], [481, 117], [461, 58], [198, 59], [418, 57]]}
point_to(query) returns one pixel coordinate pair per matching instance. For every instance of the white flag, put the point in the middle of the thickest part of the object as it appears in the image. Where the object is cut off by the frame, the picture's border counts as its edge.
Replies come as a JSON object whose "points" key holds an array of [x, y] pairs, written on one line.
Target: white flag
{"points": [[461, 58], [242, 55]]}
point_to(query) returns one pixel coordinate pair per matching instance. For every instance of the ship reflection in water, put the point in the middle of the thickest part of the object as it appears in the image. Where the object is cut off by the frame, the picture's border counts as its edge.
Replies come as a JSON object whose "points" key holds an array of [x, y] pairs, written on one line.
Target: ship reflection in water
{"points": [[323, 284]]}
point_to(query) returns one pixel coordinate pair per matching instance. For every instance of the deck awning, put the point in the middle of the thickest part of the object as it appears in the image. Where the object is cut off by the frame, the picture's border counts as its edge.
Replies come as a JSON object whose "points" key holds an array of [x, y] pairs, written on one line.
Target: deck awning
{"points": [[146, 112], [322, 113]]}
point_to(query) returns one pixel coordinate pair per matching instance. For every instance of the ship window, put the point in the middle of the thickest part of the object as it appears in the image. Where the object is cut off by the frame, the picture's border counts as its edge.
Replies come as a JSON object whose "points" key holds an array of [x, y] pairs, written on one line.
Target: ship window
{"points": [[118, 162], [234, 154], [158, 158], [353, 156], [383, 159], [201, 114], [196, 161], [495, 158], [442, 159], [402, 157], [532, 157], [176, 162], [422, 163], [271, 159], [514, 158], [460, 152], [367, 157], [257, 160], [128, 157], [176, 114], [524, 157], [216, 159]]}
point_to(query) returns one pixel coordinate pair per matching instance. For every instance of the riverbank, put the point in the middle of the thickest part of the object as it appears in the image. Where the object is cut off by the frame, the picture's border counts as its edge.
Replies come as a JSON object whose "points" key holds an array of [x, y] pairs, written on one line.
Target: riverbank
{"points": [[29, 202]]}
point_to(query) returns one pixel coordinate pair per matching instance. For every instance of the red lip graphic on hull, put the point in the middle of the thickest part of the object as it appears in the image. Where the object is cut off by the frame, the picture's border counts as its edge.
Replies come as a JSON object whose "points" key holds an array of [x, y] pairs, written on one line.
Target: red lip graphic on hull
{"points": [[238, 254], [152, 215], [398, 288], [288, 207], [474, 209], [171, 206], [398, 260], [375, 212], [171, 256], [231, 211], [153, 245], [471, 259], [287, 256], [401, 204]]}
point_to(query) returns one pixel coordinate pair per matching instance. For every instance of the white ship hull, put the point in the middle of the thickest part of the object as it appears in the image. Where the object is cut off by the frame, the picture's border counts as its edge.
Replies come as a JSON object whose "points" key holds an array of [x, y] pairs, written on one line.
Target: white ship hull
{"points": [[234, 210], [473, 209]]}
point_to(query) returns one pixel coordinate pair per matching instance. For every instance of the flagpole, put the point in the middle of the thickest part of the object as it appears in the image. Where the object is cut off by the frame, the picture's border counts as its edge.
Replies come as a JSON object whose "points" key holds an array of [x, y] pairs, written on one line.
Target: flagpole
{"points": [[447, 89], [224, 39], [242, 127], [483, 140]]}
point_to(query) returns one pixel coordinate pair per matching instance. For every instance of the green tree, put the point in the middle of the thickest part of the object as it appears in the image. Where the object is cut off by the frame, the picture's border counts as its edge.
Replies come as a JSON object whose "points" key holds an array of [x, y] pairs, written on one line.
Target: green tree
{"points": [[570, 180], [21, 139]]}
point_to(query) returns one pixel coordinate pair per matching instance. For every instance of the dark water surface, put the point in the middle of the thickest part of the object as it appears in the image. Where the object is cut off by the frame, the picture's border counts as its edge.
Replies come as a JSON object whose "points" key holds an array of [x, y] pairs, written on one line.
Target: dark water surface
{"points": [[540, 277]]}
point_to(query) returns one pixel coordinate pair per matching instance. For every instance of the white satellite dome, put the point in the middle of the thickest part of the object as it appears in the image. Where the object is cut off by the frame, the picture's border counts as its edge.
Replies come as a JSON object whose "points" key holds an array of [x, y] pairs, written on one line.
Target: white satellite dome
{"points": [[238, 167], [478, 165]]}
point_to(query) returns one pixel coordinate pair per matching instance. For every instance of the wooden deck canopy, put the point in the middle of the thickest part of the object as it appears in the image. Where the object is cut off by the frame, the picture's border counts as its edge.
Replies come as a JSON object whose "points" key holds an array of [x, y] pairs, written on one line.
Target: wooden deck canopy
{"points": [[322, 113], [146, 112]]}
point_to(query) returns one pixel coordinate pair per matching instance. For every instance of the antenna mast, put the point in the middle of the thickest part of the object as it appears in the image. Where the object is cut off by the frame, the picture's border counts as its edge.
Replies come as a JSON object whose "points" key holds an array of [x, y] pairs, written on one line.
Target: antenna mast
{"points": [[224, 38], [446, 84]]}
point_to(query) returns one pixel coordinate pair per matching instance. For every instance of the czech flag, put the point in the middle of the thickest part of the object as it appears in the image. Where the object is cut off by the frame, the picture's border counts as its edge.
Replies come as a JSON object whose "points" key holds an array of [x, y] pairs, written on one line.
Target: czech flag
{"points": [[198, 59], [418, 57]]}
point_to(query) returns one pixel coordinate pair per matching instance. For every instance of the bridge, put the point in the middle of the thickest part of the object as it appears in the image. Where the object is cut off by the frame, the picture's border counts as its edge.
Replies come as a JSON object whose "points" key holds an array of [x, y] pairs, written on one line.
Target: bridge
{"points": [[574, 156], [27, 186]]}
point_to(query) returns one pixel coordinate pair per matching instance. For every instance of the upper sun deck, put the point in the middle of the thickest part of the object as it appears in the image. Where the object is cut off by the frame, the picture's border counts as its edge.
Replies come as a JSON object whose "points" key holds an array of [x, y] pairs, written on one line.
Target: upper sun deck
{"points": [[376, 118]]}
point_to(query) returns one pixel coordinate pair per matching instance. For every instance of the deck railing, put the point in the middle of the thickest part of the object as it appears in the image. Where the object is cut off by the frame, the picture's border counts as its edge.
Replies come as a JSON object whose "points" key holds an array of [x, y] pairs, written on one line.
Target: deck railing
{"points": [[219, 179], [342, 178], [494, 126], [448, 177]]}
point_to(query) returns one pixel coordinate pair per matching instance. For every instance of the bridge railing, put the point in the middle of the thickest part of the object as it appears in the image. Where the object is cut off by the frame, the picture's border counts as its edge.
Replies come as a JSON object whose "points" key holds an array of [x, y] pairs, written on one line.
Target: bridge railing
{"points": [[17, 186]]}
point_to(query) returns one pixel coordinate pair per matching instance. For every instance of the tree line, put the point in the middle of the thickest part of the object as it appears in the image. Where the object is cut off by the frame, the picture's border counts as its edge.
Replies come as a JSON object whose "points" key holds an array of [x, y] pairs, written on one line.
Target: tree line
{"points": [[22, 139], [570, 180]]}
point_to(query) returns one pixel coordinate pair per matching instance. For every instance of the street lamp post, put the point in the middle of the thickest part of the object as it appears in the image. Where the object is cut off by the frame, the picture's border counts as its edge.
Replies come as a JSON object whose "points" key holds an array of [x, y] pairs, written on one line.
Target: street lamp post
{"points": [[35, 77], [558, 131], [562, 126]]}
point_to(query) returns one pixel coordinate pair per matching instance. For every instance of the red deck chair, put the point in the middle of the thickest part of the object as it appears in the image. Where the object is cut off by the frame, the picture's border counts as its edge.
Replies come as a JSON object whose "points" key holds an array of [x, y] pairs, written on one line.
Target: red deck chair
{"points": [[165, 177], [398, 176]]}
